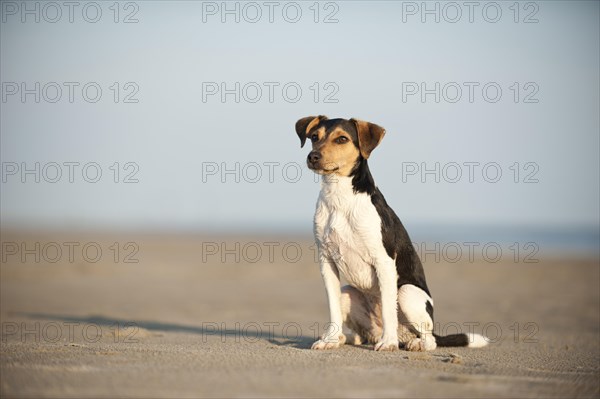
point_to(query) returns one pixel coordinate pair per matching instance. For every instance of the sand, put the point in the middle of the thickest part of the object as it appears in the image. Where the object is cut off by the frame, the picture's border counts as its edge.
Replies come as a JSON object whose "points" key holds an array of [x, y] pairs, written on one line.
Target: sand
{"points": [[183, 322]]}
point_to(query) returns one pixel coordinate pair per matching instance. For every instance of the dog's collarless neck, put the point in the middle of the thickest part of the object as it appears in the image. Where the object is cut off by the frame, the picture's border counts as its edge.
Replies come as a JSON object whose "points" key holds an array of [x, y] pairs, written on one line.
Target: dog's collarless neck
{"points": [[359, 181]]}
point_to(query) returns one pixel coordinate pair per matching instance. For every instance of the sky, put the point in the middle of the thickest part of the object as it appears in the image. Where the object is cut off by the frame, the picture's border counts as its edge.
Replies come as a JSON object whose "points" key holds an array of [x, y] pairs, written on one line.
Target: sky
{"points": [[180, 115]]}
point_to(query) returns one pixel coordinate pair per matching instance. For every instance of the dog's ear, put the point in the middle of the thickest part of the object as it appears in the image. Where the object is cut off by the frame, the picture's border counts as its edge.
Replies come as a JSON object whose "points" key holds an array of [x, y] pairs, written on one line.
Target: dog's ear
{"points": [[304, 125], [369, 136]]}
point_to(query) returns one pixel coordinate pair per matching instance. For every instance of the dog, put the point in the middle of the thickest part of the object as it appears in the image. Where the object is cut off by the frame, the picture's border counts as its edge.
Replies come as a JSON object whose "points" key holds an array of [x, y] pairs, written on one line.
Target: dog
{"points": [[387, 302]]}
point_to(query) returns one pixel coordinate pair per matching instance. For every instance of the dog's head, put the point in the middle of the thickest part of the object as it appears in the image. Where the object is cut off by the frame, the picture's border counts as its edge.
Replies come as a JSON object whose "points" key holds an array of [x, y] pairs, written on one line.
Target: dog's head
{"points": [[337, 144]]}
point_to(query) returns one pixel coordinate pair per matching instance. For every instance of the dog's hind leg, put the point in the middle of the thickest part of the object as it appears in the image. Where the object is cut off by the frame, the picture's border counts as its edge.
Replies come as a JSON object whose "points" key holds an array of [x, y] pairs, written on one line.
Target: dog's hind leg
{"points": [[415, 315], [361, 315]]}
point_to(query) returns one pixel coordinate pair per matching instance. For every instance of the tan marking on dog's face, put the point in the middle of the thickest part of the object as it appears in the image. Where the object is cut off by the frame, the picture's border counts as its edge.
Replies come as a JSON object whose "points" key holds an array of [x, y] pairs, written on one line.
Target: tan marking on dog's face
{"points": [[319, 133], [338, 152]]}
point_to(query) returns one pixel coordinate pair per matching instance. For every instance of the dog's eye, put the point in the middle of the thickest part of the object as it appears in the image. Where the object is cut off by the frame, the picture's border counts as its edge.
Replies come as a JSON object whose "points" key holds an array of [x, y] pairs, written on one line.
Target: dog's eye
{"points": [[341, 140], [314, 137]]}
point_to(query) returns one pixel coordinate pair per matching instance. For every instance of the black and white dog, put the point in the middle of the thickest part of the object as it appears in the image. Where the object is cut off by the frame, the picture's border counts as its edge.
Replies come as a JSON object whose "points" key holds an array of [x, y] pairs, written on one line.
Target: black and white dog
{"points": [[359, 236]]}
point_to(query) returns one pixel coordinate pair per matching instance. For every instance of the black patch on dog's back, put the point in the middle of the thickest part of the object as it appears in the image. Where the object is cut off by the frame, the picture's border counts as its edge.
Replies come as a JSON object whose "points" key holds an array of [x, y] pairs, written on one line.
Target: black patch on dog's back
{"points": [[396, 241]]}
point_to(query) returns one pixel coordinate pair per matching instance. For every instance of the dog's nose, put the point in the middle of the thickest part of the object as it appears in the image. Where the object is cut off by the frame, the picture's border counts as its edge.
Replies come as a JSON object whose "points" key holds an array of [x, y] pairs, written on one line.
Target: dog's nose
{"points": [[314, 156]]}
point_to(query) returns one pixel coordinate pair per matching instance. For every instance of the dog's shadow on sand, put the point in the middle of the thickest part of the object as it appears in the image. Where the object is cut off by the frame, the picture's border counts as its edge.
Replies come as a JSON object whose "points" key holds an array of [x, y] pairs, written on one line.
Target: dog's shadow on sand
{"points": [[260, 333]]}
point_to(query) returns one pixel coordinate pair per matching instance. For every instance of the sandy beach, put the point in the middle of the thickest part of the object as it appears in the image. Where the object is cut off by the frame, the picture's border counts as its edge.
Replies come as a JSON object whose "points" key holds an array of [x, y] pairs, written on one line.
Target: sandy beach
{"points": [[102, 315], [163, 164]]}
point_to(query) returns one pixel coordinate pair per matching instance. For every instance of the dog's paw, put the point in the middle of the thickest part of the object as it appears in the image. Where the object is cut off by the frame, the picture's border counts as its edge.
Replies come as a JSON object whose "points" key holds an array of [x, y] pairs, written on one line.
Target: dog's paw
{"points": [[326, 344], [420, 345], [387, 344], [329, 342]]}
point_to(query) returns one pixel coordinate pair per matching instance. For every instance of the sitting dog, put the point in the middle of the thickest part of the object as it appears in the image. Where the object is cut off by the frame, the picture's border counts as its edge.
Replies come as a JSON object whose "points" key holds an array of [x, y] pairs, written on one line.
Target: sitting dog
{"points": [[359, 236]]}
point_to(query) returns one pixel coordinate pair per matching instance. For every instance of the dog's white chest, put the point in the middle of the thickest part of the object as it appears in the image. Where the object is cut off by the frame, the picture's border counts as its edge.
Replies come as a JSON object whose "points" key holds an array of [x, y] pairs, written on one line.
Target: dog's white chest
{"points": [[348, 230], [345, 248]]}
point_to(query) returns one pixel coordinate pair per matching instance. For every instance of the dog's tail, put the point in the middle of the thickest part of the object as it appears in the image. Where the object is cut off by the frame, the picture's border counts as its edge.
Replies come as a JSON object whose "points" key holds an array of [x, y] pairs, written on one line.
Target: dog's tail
{"points": [[470, 340]]}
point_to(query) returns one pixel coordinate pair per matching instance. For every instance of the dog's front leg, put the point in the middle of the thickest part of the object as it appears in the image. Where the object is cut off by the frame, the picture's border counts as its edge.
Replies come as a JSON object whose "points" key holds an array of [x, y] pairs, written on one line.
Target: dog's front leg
{"points": [[387, 276], [333, 336]]}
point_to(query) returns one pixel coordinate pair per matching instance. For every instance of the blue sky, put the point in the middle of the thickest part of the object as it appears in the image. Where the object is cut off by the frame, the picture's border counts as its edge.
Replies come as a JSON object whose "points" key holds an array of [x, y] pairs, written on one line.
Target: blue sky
{"points": [[179, 139]]}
